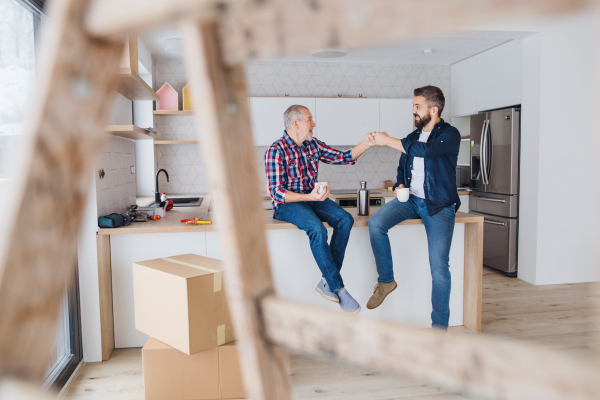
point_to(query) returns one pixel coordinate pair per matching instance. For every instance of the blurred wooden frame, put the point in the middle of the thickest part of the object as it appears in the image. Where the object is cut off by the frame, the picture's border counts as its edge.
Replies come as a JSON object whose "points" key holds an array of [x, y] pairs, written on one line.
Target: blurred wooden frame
{"points": [[81, 53]]}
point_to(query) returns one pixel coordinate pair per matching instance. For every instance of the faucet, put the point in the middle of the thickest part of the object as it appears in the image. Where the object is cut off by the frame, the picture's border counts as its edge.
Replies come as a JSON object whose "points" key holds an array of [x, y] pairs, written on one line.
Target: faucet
{"points": [[156, 192]]}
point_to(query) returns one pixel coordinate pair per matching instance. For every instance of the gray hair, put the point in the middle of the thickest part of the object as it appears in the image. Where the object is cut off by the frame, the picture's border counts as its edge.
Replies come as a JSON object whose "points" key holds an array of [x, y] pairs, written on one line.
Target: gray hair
{"points": [[292, 113]]}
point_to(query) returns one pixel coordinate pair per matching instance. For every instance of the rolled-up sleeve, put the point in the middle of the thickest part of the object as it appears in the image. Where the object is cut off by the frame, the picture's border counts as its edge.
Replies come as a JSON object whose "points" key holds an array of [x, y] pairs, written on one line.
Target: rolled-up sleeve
{"points": [[329, 155], [276, 175]]}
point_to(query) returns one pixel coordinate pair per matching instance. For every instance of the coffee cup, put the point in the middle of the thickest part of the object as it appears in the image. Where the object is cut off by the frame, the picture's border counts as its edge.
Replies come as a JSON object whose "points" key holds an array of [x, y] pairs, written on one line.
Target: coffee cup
{"points": [[322, 186], [402, 194]]}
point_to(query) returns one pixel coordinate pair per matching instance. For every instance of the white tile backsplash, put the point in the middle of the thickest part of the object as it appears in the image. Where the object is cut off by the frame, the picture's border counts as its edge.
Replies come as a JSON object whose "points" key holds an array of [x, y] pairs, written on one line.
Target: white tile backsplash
{"points": [[118, 188], [301, 79]]}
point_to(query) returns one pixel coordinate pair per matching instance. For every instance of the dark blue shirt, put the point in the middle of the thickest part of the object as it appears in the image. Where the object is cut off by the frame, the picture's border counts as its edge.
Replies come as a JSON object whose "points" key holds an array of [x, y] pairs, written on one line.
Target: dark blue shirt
{"points": [[440, 154]]}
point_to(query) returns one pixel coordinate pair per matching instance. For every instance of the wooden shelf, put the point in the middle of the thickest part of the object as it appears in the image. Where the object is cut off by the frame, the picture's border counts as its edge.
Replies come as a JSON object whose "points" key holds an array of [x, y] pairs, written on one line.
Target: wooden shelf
{"points": [[132, 86], [129, 132], [173, 112], [176, 142]]}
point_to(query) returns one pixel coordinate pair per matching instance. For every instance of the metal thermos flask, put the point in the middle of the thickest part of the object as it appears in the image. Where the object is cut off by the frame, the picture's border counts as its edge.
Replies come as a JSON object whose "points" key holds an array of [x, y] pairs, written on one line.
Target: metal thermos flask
{"points": [[362, 199]]}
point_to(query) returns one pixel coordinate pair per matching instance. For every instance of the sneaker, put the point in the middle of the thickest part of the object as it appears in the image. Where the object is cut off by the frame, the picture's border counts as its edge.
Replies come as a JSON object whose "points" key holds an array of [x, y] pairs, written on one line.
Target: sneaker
{"points": [[380, 293], [326, 292], [347, 302]]}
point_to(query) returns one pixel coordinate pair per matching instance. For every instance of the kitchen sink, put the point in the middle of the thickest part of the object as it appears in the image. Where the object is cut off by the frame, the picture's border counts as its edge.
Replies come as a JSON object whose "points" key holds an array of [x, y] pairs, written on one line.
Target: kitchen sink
{"points": [[182, 202]]}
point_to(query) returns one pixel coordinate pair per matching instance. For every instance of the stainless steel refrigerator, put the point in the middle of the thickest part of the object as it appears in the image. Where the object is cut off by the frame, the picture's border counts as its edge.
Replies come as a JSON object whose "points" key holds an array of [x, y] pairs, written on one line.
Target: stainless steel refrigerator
{"points": [[494, 184]]}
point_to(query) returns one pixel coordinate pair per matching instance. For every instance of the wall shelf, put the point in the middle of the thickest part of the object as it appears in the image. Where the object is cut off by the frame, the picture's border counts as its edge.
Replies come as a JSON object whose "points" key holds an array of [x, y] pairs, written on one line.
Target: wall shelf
{"points": [[129, 132], [176, 142], [132, 86], [173, 112]]}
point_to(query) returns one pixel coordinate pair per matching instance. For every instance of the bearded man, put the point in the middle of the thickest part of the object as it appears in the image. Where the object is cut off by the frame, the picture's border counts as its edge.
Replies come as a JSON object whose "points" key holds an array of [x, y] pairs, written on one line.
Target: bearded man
{"points": [[428, 168]]}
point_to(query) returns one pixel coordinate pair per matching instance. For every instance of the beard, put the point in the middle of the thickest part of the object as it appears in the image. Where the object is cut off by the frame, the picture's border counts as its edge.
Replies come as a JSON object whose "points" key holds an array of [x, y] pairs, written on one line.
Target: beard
{"points": [[422, 121]]}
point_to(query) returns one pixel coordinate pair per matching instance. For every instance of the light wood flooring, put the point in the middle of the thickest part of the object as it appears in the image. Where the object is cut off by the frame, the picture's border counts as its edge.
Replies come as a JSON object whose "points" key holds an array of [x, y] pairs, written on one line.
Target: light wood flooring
{"points": [[558, 317]]}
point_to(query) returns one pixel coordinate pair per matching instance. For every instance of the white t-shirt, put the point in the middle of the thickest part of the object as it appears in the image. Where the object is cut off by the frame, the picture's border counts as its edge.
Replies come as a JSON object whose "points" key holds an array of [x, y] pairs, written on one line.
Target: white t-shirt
{"points": [[418, 171]]}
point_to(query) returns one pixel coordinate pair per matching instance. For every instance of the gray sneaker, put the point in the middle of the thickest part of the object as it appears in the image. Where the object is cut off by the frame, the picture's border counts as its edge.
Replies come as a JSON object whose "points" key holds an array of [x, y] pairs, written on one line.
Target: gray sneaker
{"points": [[347, 302], [325, 291]]}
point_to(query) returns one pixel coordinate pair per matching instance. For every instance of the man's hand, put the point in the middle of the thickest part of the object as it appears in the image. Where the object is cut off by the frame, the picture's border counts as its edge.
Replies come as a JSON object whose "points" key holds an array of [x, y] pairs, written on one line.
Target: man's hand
{"points": [[371, 139], [381, 138], [316, 196], [399, 186]]}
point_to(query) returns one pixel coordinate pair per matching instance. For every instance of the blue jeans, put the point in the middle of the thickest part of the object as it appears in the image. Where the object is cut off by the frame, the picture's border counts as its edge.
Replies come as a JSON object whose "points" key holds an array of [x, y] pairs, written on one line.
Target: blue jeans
{"points": [[308, 216], [439, 229]]}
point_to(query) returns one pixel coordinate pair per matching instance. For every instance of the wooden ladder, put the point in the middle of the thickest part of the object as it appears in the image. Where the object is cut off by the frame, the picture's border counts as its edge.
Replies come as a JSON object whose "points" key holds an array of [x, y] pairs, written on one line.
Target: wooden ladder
{"points": [[82, 47]]}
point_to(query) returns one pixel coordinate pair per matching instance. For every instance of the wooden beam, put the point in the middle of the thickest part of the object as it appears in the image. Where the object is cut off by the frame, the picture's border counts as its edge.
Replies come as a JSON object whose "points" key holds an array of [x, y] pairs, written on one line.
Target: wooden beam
{"points": [[473, 276], [270, 29], [130, 53], [107, 330], [474, 365], [63, 135], [224, 119]]}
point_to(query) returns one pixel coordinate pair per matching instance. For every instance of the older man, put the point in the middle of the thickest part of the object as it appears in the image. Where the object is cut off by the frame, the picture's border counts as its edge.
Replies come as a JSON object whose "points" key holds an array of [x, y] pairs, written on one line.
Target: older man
{"points": [[428, 167], [292, 167]]}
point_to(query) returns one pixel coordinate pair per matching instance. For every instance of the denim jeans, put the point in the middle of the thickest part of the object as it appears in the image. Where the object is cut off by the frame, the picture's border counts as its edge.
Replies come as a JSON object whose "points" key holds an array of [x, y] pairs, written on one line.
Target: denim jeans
{"points": [[439, 229], [308, 216]]}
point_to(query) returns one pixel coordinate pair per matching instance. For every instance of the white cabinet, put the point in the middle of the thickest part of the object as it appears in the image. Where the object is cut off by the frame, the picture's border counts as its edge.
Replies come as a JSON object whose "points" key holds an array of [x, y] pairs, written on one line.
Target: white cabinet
{"points": [[463, 81], [395, 117], [266, 114], [499, 76], [510, 61], [487, 81], [346, 121]]}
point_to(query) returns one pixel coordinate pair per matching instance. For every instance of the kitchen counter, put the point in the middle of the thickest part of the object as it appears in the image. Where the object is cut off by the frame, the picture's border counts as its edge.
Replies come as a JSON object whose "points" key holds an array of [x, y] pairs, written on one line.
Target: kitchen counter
{"points": [[170, 223], [294, 269]]}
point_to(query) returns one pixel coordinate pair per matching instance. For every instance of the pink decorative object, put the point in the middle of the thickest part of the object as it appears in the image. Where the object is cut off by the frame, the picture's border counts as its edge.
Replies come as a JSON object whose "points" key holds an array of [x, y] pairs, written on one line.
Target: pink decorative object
{"points": [[169, 98]]}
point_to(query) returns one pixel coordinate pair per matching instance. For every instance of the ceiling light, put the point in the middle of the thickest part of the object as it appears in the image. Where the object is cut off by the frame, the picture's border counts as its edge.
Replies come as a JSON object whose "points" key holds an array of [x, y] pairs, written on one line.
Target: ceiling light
{"points": [[329, 53], [174, 45], [427, 52]]}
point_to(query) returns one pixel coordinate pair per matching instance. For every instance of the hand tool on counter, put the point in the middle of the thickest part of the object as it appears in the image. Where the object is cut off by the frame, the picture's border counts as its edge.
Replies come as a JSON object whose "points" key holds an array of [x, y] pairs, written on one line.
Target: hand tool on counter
{"points": [[196, 221]]}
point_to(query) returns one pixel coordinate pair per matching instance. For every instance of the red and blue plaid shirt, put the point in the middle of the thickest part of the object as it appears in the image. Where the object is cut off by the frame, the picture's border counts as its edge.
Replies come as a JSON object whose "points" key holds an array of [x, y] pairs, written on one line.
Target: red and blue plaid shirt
{"points": [[294, 168]]}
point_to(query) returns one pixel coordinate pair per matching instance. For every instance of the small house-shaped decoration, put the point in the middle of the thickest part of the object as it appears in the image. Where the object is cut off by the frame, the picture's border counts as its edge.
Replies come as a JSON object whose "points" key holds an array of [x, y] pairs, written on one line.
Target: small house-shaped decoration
{"points": [[187, 98], [169, 98]]}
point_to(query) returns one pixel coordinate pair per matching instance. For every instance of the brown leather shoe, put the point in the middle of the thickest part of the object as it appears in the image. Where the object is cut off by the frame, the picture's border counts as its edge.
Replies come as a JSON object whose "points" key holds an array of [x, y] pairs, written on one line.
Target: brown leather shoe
{"points": [[380, 293]]}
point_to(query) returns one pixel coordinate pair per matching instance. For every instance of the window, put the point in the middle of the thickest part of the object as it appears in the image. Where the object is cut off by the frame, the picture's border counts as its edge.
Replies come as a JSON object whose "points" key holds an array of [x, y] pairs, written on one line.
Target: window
{"points": [[20, 22]]}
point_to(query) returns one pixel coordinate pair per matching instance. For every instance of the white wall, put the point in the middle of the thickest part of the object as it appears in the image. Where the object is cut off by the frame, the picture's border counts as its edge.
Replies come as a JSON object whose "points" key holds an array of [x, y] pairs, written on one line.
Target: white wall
{"points": [[560, 221]]}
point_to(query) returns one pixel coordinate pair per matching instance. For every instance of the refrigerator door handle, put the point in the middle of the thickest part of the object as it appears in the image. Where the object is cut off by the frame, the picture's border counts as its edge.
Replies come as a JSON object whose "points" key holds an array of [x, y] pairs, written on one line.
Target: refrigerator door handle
{"points": [[487, 221], [483, 153], [487, 199], [488, 152]]}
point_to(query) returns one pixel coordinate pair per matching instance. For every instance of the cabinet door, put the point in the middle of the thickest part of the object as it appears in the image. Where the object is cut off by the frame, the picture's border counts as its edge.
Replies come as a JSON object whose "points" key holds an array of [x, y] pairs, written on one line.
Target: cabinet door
{"points": [[463, 80], [266, 114], [487, 79], [395, 117], [346, 121], [509, 63]]}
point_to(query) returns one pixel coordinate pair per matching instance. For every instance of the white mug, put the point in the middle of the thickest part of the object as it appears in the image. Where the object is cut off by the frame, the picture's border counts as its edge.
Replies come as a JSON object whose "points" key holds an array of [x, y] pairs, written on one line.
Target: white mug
{"points": [[321, 186], [402, 194]]}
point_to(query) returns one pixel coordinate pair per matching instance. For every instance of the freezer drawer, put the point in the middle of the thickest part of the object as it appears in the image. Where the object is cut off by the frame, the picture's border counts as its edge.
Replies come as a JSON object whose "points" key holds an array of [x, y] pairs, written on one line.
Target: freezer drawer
{"points": [[496, 204], [499, 243]]}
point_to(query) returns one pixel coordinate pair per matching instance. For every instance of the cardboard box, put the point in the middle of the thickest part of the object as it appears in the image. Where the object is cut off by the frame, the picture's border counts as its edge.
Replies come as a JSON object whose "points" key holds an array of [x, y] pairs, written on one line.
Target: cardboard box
{"points": [[172, 375], [181, 302]]}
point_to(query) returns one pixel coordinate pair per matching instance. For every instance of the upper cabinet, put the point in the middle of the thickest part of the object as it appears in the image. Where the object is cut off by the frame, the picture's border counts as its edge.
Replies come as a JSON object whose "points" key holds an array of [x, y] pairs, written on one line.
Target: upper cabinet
{"points": [[487, 81], [266, 114], [395, 117], [346, 121], [463, 81]]}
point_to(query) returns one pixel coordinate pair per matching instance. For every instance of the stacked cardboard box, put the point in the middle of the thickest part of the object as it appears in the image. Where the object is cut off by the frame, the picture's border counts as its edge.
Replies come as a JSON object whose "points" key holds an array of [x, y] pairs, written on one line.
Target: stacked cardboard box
{"points": [[180, 303]]}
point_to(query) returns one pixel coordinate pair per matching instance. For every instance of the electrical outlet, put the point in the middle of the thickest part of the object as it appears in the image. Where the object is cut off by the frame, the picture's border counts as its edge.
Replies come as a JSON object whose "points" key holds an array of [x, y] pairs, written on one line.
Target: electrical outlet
{"points": [[132, 169]]}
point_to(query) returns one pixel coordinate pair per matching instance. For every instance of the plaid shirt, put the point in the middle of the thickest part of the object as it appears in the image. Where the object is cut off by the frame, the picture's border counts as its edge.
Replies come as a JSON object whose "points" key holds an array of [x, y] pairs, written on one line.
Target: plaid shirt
{"points": [[290, 167]]}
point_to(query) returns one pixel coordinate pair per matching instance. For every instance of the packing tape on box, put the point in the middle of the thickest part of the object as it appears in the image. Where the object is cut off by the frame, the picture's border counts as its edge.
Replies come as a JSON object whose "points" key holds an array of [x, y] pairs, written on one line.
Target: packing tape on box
{"points": [[221, 335], [218, 277]]}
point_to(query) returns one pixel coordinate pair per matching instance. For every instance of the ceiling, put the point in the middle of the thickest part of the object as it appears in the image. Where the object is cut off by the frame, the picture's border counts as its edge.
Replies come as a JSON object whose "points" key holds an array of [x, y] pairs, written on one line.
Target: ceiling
{"points": [[446, 50]]}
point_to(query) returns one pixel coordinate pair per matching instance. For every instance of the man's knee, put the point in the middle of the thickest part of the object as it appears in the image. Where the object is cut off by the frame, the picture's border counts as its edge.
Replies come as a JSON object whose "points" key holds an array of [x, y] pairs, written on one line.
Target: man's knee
{"points": [[375, 224], [346, 220], [317, 230]]}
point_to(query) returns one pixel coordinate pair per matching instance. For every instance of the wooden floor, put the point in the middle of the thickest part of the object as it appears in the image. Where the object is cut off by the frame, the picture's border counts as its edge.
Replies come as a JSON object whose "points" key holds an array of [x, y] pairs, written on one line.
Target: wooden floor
{"points": [[558, 317]]}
